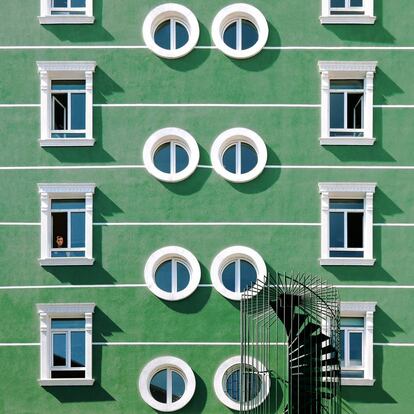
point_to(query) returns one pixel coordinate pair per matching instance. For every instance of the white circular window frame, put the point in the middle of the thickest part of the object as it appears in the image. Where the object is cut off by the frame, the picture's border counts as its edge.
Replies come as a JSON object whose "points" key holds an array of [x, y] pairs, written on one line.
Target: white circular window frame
{"points": [[230, 14], [165, 12], [229, 255], [157, 365], [234, 363], [168, 135], [169, 253], [230, 137]]}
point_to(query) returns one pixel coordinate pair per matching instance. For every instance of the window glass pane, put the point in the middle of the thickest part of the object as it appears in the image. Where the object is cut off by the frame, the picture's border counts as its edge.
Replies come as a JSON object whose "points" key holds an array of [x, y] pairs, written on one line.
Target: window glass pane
{"points": [[183, 276], [162, 158], [230, 35], [68, 85], [248, 158], [68, 323], [60, 3], [163, 276], [78, 111], [229, 159], [249, 34], [181, 158], [68, 374], [233, 385], [352, 322], [78, 3], [77, 349], [337, 3], [346, 204], [59, 350], [337, 110], [75, 204], [228, 277], [347, 84], [60, 111], [342, 355], [60, 230], [162, 35], [77, 229], [355, 348], [346, 253], [355, 229], [356, 3], [248, 275], [352, 374], [252, 385], [178, 386], [181, 35], [158, 386], [355, 110], [336, 230]]}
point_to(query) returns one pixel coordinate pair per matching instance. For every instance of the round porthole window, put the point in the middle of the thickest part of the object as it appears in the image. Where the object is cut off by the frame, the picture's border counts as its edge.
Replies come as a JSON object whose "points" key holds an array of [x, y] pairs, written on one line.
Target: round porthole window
{"points": [[237, 269], [171, 31], [240, 31], [239, 155], [234, 390], [167, 384], [172, 273], [171, 155]]}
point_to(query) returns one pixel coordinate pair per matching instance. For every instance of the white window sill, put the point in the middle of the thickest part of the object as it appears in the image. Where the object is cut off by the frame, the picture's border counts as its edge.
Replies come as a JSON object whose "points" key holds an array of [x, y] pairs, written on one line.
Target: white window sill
{"points": [[346, 141], [58, 382], [67, 142], [347, 19], [66, 261], [358, 382], [66, 19], [346, 261]]}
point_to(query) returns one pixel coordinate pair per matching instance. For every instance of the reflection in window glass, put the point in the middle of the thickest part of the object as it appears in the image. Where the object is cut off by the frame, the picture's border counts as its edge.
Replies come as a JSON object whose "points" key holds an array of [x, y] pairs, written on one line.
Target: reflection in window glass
{"points": [[238, 276], [240, 35], [352, 331], [171, 158], [171, 35], [240, 158], [252, 385], [167, 386], [172, 276]]}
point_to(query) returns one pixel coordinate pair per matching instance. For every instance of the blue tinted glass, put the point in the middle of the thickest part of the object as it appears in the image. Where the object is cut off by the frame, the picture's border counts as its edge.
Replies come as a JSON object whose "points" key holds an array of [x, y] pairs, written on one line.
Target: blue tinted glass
{"points": [[248, 275], [78, 3], [352, 322], [78, 111], [347, 84], [346, 204], [357, 3], [59, 350], [249, 34], [63, 253], [158, 386], [352, 374], [346, 253], [252, 385], [229, 159], [230, 35], [68, 323], [77, 343], [337, 3], [181, 158], [228, 277], [162, 35], [68, 135], [355, 348], [162, 158], [181, 35], [75, 254], [60, 3], [163, 278], [183, 276], [336, 230], [68, 204], [248, 158], [77, 228], [233, 385], [178, 386], [337, 110], [68, 85], [342, 345]]}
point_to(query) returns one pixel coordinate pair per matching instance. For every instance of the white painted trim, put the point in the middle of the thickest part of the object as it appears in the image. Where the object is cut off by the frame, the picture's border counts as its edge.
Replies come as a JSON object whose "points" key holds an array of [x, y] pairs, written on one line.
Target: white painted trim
{"points": [[165, 12], [159, 364], [239, 11], [346, 141], [67, 261], [168, 253], [346, 261], [233, 363], [233, 253], [233, 136], [67, 142], [46, 16], [58, 382], [163, 136], [357, 382]]}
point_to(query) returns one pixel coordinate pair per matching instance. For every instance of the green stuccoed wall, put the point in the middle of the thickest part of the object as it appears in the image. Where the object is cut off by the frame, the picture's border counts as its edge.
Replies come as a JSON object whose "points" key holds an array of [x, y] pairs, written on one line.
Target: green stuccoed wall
{"points": [[130, 195]]}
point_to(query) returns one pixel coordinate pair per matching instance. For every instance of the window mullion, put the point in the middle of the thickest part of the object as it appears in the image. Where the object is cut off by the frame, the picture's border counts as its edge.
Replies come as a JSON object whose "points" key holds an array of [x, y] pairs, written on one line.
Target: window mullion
{"points": [[69, 120], [68, 350], [238, 158], [239, 34], [174, 276], [173, 42], [69, 241], [348, 351], [173, 151], [169, 386], [346, 110], [237, 276], [346, 229]]}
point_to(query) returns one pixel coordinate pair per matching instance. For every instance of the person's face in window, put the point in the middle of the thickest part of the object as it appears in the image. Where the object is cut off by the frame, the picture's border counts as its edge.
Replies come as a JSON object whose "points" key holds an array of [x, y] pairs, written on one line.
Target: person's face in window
{"points": [[59, 242]]}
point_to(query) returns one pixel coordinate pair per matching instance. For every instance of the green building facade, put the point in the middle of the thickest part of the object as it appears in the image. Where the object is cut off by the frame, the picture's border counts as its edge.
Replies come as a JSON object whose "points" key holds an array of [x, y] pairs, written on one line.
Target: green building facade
{"points": [[277, 94]]}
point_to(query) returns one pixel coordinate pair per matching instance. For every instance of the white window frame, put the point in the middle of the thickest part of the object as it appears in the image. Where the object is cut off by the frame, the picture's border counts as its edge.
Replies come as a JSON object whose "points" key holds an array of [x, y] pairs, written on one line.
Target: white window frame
{"points": [[62, 70], [46, 16], [346, 70], [365, 310], [355, 190], [172, 363], [367, 17], [49, 192], [50, 311], [177, 254]]}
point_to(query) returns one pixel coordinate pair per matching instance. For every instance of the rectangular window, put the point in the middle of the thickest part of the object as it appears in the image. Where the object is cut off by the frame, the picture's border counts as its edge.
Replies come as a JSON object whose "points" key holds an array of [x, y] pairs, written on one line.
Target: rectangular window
{"points": [[68, 117], [346, 108], [349, 7], [68, 228], [68, 7], [352, 340], [346, 228]]}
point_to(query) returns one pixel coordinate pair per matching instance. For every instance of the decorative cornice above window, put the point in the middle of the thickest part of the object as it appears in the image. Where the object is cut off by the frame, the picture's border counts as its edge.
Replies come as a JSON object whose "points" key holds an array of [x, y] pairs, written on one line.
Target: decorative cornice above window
{"points": [[334, 188], [355, 68], [357, 307], [64, 66], [72, 188]]}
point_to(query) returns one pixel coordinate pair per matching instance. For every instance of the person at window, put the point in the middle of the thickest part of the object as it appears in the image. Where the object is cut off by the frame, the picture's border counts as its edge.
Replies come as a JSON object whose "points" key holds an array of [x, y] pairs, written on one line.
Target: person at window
{"points": [[59, 241]]}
